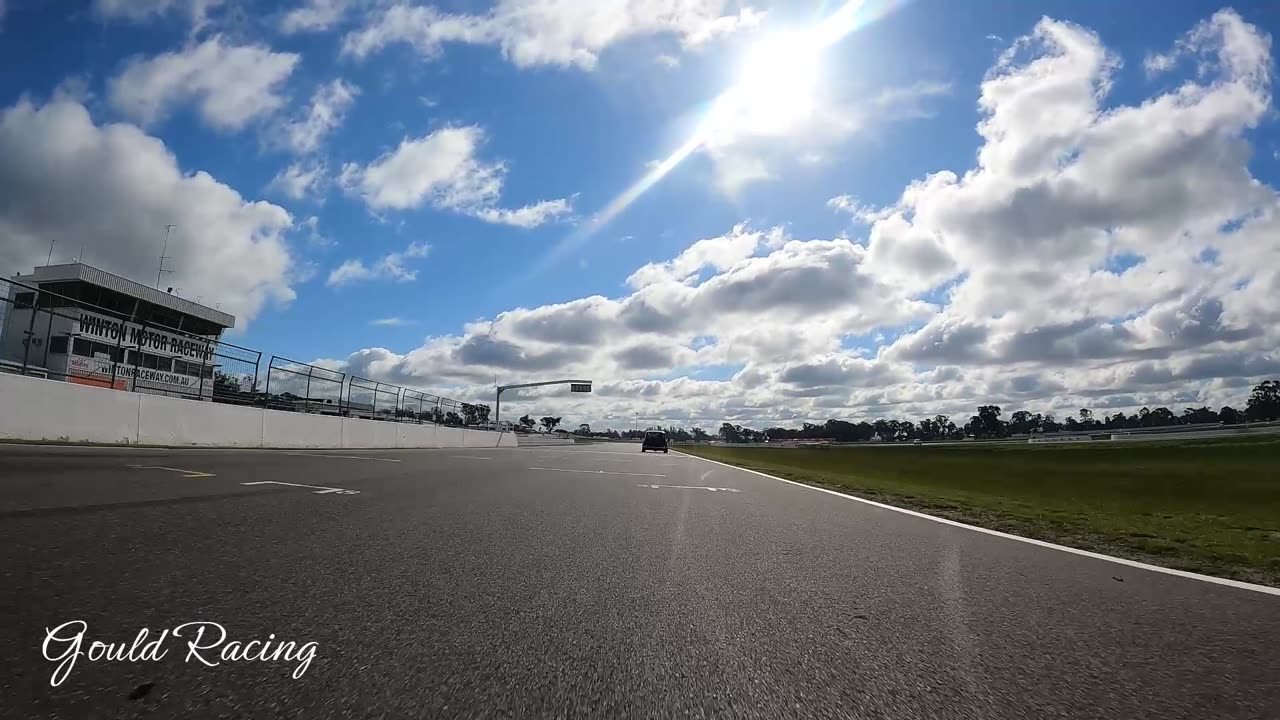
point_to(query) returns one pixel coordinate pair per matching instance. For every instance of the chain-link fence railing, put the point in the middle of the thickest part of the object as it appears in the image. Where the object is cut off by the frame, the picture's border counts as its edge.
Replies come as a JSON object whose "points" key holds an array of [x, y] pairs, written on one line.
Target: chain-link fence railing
{"points": [[371, 399], [301, 387]]}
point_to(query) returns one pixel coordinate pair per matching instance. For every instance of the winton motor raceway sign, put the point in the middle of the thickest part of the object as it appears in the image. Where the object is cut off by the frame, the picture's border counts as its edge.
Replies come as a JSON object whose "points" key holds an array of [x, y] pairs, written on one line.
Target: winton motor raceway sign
{"points": [[131, 336]]}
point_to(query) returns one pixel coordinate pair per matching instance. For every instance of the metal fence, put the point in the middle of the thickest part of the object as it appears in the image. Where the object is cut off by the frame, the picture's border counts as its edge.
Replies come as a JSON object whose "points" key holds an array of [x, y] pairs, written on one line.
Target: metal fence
{"points": [[49, 335]]}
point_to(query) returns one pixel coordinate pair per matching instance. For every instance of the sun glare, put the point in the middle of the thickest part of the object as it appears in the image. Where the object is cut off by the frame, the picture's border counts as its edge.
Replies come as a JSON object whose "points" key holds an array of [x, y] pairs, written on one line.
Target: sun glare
{"points": [[777, 87], [777, 91]]}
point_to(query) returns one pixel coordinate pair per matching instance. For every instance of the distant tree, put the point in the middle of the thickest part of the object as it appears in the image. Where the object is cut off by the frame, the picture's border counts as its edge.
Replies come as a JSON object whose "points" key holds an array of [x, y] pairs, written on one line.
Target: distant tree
{"points": [[526, 422], [452, 418], [987, 422], [1264, 402], [224, 384], [482, 413], [469, 414], [1163, 417], [946, 428], [928, 429], [1020, 423], [1086, 417], [1195, 416], [700, 435], [1229, 415], [550, 422], [731, 433], [907, 431]]}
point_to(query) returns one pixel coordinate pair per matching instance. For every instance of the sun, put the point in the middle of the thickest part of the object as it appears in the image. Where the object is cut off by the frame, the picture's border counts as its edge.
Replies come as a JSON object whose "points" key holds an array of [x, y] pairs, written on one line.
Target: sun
{"points": [[776, 90]]}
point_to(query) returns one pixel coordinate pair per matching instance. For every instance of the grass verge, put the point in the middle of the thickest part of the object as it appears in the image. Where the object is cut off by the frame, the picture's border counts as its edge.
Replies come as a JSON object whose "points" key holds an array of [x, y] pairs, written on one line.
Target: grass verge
{"points": [[1209, 506]]}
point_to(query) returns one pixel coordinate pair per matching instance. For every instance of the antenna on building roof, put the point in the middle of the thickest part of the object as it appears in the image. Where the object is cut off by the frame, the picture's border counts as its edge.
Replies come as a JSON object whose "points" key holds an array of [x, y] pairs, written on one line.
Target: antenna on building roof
{"points": [[160, 268]]}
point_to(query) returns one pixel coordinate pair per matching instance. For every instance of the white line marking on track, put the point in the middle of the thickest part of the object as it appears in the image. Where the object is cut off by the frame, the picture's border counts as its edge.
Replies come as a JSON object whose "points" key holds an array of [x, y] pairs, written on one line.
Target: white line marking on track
{"points": [[319, 490], [705, 474], [186, 473], [1030, 541], [691, 487], [471, 457], [344, 457], [598, 472]]}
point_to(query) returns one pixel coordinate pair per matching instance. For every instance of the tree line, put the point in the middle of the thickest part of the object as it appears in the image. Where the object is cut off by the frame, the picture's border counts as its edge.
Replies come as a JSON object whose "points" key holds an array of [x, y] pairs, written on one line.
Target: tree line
{"points": [[989, 422]]}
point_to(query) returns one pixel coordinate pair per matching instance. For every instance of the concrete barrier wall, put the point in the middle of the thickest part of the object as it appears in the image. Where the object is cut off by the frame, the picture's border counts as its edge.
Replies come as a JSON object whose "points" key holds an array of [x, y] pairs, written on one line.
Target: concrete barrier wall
{"points": [[300, 430], [408, 436], [169, 421], [37, 409], [358, 433], [450, 436]]}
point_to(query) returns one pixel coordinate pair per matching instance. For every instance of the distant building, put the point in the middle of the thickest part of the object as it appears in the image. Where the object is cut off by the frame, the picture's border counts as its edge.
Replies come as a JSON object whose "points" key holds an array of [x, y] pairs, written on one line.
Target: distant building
{"points": [[109, 331]]}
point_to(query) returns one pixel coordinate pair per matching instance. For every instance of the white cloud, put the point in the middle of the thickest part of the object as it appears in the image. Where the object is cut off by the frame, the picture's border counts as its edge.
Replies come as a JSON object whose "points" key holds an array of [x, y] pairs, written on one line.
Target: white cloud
{"points": [[315, 238], [849, 204], [328, 108], [114, 188], [719, 254], [314, 16], [528, 216], [1094, 256], [547, 32], [909, 101], [231, 85], [391, 266], [197, 11], [667, 61], [442, 169], [748, 144], [299, 180], [391, 322]]}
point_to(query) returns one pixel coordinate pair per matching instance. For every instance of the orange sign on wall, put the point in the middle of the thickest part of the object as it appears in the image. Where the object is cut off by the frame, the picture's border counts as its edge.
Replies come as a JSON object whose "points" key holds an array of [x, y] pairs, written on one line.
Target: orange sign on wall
{"points": [[120, 383]]}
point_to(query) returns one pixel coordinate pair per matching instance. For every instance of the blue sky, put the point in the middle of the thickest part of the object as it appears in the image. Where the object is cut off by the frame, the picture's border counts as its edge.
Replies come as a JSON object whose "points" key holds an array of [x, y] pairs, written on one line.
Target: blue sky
{"points": [[569, 110]]}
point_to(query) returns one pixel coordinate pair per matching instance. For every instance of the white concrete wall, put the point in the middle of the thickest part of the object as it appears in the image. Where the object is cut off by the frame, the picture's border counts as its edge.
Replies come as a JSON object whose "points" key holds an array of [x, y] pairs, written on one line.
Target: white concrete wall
{"points": [[450, 436], [170, 421], [37, 409], [408, 436], [357, 433]]}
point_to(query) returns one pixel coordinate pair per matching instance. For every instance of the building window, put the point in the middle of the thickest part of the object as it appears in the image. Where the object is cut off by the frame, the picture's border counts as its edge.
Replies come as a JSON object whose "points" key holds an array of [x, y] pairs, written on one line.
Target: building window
{"points": [[83, 348], [164, 363], [23, 300], [58, 345], [133, 358], [149, 361]]}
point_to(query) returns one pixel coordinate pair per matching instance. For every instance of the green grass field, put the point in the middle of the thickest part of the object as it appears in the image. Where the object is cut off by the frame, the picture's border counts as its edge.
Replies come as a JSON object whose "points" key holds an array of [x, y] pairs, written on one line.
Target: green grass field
{"points": [[1211, 506]]}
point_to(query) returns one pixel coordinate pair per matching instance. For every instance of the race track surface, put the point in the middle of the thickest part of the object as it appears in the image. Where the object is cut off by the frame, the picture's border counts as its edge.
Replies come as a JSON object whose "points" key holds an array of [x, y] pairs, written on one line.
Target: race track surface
{"points": [[580, 583]]}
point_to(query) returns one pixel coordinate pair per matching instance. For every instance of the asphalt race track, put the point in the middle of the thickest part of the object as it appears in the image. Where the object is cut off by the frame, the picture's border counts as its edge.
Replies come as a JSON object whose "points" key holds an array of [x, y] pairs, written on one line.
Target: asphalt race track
{"points": [[585, 583]]}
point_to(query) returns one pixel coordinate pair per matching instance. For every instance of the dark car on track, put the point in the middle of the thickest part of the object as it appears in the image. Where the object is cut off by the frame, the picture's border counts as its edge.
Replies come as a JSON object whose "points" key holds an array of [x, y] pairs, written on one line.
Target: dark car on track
{"points": [[654, 440]]}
